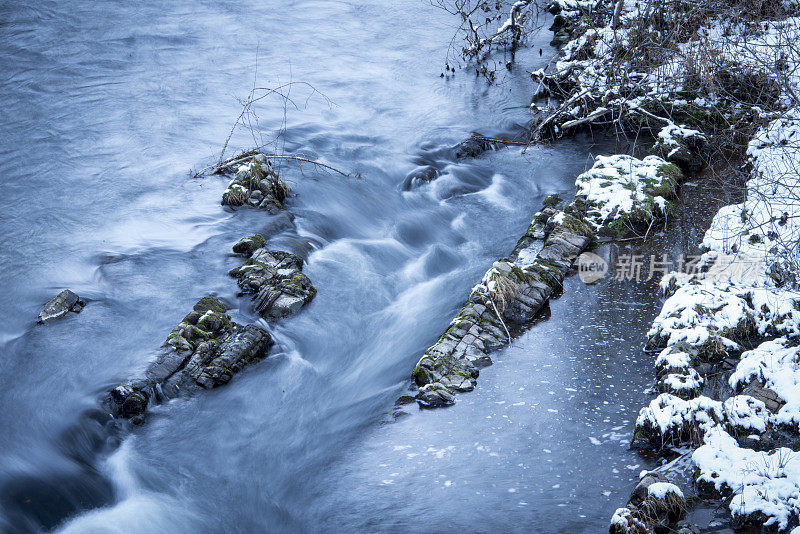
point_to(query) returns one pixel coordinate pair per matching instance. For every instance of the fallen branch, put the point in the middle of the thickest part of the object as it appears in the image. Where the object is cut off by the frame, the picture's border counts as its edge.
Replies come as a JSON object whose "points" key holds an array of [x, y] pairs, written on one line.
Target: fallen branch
{"points": [[501, 141], [588, 119], [218, 167]]}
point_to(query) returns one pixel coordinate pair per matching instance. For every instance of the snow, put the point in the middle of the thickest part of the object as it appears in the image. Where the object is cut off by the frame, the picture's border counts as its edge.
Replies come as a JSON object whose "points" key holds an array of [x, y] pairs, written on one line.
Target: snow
{"points": [[743, 412], [680, 384], [761, 482], [671, 415], [718, 306], [745, 288], [670, 358], [777, 364], [671, 138], [766, 223], [660, 490], [619, 185]]}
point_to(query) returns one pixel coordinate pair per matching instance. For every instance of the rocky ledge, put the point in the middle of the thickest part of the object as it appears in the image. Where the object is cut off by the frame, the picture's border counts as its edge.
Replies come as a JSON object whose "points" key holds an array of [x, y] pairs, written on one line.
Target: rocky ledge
{"points": [[274, 278], [512, 292], [204, 351]]}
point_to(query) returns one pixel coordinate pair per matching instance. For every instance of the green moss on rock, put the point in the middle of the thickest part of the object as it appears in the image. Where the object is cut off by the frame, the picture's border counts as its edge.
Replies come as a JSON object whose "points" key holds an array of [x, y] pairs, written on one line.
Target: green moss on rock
{"points": [[209, 304]]}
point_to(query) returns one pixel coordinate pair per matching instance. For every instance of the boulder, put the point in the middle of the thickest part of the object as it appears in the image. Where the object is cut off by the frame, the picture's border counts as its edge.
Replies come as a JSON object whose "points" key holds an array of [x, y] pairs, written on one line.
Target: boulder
{"points": [[60, 305], [434, 396], [472, 147], [256, 184], [248, 245]]}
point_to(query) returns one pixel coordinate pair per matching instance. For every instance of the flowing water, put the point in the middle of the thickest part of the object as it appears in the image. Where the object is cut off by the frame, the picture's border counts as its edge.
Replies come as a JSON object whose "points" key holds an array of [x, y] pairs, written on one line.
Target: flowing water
{"points": [[105, 109]]}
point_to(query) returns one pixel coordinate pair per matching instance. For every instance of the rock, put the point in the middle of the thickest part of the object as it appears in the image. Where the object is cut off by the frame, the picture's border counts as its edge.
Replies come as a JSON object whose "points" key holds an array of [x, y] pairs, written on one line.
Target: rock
{"points": [[129, 400], [206, 304], [684, 527], [472, 147], [60, 305], [419, 176], [405, 399], [770, 399], [681, 146], [517, 293], [621, 194], [276, 281], [204, 351], [218, 366], [248, 245], [654, 506], [257, 184], [434, 396], [640, 492], [561, 37]]}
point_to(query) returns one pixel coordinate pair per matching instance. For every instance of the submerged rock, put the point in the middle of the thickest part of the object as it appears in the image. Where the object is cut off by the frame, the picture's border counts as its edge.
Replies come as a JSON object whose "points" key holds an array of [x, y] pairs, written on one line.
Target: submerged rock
{"points": [[472, 147], [419, 176], [276, 280], [204, 351], [256, 184], [60, 305]]}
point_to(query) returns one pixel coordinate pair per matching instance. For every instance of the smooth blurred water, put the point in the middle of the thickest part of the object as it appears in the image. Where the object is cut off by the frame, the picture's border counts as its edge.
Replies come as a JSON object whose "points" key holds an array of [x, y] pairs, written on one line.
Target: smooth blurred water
{"points": [[105, 109]]}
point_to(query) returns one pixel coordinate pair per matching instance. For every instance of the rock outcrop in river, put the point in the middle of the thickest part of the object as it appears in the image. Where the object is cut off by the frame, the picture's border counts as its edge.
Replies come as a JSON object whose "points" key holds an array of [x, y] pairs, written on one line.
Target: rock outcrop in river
{"points": [[275, 279], [512, 292], [256, 184], [620, 194], [204, 351], [60, 305]]}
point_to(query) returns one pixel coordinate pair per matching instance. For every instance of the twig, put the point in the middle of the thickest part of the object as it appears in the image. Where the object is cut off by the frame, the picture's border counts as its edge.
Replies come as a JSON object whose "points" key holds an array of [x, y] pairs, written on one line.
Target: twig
{"points": [[217, 167], [500, 317]]}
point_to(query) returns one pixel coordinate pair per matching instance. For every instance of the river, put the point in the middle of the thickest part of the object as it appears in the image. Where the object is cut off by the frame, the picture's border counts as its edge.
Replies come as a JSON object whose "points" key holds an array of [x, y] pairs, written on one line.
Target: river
{"points": [[107, 107]]}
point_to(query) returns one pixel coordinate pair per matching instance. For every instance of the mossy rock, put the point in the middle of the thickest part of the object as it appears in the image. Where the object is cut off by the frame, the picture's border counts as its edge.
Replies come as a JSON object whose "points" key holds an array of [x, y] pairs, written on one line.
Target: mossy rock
{"points": [[576, 226], [209, 304], [551, 201], [249, 244], [192, 317]]}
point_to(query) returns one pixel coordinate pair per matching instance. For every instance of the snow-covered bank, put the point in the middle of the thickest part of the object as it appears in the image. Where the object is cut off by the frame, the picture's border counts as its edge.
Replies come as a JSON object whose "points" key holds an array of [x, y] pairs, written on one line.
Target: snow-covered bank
{"points": [[743, 295]]}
